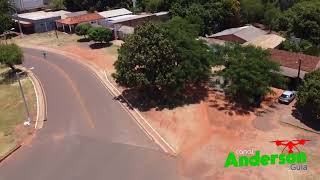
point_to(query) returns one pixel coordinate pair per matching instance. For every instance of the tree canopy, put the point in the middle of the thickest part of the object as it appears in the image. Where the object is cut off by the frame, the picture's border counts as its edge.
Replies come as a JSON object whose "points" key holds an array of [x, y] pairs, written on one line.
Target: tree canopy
{"points": [[154, 58], [82, 29], [100, 34], [249, 73], [6, 22], [147, 58], [57, 4], [308, 98], [214, 14], [252, 10], [302, 46], [10, 55], [302, 20]]}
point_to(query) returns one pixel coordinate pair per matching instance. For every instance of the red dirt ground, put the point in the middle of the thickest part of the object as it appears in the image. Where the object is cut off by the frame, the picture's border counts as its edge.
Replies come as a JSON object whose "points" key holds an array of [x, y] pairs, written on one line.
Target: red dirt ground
{"points": [[205, 133]]}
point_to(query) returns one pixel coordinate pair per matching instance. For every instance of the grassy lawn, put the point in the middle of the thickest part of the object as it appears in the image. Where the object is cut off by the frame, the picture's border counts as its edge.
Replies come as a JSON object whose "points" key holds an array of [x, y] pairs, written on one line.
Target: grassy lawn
{"points": [[47, 39], [12, 111], [112, 50]]}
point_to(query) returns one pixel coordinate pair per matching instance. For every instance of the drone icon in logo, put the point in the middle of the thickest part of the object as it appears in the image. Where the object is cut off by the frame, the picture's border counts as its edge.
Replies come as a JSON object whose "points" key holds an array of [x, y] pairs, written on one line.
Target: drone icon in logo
{"points": [[290, 145]]}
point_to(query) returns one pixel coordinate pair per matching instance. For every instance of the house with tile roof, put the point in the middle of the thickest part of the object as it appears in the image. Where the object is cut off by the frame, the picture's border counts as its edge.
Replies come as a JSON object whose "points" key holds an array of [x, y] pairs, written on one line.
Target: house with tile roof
{"points": [[240, 34], [72, 22], [291, 63]]}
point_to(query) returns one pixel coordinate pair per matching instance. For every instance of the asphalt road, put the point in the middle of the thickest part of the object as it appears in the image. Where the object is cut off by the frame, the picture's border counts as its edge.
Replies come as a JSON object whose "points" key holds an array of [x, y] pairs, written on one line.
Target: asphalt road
{"points": [[87, 135]]}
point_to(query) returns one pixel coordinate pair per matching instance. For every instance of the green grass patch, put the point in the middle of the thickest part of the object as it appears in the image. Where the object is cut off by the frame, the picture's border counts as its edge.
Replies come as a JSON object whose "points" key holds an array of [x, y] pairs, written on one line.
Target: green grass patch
{"points": [[112, 50], [12, 111], [48, 39]]}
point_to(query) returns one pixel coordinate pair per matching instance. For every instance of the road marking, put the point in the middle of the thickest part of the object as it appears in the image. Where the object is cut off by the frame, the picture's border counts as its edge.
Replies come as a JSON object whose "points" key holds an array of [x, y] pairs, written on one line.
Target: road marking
{"points": [[73, 86]]}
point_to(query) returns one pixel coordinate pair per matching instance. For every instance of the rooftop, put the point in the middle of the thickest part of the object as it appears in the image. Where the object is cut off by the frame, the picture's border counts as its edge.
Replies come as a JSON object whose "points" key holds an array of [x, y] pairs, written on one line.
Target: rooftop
{"points": [[126, 29], [161, 13], [80, 19], [37, 15], [287, 93], [213, 41], [115, 12], [267, 41], [291, 60], [247, 33], [127, 18], [78, 13]]}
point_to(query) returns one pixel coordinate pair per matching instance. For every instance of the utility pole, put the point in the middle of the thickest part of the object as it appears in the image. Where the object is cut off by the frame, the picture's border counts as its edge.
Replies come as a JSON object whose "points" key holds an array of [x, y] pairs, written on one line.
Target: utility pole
{"points": [[28, 121], [19, 24], [299, 67]]}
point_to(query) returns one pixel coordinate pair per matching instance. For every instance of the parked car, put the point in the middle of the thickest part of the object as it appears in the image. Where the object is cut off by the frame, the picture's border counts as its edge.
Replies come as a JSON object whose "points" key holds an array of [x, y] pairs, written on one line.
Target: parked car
{"points": [[287, 97]]}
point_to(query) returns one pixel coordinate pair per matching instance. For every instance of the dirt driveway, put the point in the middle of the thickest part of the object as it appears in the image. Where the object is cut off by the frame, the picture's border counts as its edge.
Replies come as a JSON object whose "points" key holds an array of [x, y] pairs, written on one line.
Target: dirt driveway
{"points": [[230, 132]]}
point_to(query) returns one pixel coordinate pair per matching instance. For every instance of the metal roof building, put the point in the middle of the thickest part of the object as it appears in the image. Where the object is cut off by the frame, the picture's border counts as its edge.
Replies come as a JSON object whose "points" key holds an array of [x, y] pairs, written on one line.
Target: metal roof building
{"points": [[78, 13], [39, 21], [115, 13], [241, 34], [266, 41]]}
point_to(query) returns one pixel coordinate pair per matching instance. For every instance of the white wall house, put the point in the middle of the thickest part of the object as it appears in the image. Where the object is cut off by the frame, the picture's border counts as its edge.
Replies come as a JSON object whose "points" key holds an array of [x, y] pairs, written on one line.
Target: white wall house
{"points": [[23, 5]]}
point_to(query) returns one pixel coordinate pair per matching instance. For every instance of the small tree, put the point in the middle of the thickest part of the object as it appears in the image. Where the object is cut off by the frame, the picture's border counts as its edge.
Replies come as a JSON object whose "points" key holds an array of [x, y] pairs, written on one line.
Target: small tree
{"points": [[308, 99], [83, 29], [57, 4], [10, 55], [5, 23], [100, 34]]}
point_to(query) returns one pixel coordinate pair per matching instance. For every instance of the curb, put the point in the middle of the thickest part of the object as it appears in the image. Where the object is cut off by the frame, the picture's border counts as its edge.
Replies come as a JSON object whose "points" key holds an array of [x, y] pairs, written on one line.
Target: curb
{"points": [[41, 98], [135, 114], [2, 158], [299, 127]]}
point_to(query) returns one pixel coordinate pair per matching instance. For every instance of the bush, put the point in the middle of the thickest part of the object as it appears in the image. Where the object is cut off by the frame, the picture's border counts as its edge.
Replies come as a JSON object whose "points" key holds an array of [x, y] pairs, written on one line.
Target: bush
{"points": [[83, 29], [10, 55], [308, 99], [100, 34]]}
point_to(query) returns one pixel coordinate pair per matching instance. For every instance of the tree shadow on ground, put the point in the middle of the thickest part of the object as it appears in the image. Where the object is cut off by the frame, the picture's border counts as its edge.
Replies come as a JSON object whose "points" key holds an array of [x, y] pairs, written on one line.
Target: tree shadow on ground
{"points": [[100, 45], [306, 117], [9, 76], [84, 40], [226, 104], [144, 101]]}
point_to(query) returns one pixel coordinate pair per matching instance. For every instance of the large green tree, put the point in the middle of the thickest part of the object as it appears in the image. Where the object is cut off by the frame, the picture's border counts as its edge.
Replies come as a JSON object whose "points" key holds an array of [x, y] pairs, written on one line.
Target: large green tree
{"points": [[196, 58], [271, 13], [252, 10], [6, 22], [249, 73], [147, 59], [153, 58], [10, 55], [57, 4], [308, 99], [212, 15], [302, 20]]}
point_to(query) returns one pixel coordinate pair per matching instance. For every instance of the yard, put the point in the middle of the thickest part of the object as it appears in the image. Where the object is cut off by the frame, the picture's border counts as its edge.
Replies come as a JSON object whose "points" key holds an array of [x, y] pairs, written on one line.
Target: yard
{"points": [[12, 111]]}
